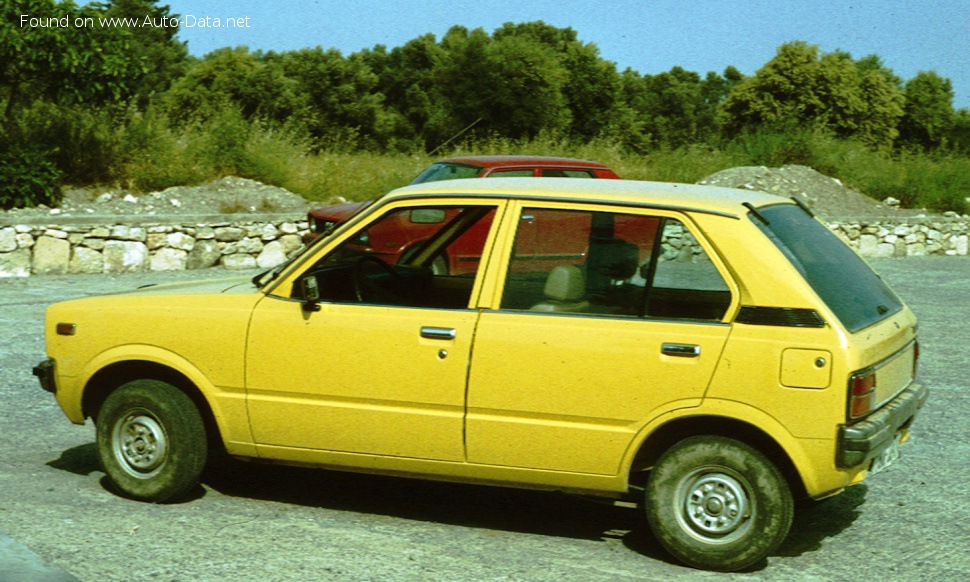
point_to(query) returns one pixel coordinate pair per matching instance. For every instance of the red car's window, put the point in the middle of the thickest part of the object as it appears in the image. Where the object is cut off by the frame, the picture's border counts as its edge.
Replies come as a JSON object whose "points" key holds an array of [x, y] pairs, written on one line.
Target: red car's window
{"points": [[447, 171], [557, 173], [512, 174]]}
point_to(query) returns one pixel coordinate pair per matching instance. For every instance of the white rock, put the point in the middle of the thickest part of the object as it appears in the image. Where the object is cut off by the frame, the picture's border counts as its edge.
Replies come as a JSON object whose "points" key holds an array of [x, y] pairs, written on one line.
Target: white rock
{"points": [[272, 254], [169, 259]]}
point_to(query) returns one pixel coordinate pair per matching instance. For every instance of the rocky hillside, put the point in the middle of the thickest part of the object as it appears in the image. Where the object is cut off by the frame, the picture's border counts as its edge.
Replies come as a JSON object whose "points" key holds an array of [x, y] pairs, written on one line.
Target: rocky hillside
{"points": [[827, 197], [230, 195]]}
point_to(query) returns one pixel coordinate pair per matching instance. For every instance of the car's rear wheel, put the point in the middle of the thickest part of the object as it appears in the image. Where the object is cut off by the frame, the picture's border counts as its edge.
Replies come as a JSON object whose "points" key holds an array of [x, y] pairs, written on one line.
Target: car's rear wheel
{"points": [[151, 441], [718, 504]]}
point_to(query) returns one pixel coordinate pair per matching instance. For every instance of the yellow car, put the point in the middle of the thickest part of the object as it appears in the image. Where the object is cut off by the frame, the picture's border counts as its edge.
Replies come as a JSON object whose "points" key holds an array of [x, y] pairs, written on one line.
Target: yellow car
{"points": [[712, 353]]}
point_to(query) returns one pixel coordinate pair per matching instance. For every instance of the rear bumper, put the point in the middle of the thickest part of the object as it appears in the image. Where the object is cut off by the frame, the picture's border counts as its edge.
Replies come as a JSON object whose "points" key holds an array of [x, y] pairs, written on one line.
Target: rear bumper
{"points": [[865, 440], [45, 373]]}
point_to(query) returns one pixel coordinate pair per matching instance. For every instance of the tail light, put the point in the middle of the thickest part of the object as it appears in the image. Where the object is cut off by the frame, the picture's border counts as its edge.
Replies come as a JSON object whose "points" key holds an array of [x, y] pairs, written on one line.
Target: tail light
{"points": [[862, 393], [915, 358]]}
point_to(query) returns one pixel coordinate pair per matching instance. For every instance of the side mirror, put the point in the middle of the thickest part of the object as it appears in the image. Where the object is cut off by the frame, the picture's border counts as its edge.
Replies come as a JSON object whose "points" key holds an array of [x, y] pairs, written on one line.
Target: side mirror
{"points": [[311, 293]]}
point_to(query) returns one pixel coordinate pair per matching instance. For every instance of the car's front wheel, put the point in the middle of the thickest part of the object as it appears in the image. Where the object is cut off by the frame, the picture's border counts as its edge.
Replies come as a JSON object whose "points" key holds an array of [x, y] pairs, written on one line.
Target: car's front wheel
{"points": [[718, 504], [151, 440]]}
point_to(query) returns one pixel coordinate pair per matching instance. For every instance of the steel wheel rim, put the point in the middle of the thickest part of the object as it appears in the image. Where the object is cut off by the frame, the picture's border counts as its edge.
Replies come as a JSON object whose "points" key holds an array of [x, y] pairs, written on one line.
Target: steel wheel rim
{"points": [[139, 444], [713, 504]]}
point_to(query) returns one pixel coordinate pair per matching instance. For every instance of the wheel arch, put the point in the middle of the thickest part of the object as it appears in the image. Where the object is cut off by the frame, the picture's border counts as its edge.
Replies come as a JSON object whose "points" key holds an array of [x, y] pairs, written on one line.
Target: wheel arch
{"points": [[109, 378], [676, 430]]}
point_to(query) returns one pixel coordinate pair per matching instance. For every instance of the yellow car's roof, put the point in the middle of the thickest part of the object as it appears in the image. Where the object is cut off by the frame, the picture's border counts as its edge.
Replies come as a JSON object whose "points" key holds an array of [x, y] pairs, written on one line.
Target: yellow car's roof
{"points": [[626, 192]]}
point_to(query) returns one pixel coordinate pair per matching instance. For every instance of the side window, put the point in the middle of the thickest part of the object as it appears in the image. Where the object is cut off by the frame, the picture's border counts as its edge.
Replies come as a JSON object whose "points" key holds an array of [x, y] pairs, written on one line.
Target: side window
{"points": [[685, 283], [512, 174], [554, 173], [566, 261], [611, 264], [424, 256]]}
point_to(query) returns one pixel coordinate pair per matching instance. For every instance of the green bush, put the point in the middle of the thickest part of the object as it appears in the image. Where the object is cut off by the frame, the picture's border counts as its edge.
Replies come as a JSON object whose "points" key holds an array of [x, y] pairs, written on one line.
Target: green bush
{"points": [[80, 142], [27, 178], [153, 156]]}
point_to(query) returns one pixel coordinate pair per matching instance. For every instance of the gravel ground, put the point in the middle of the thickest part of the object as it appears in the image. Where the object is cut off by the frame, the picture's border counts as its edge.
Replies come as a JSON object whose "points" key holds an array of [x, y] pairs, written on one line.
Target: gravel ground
{"points": [[251, 522]]}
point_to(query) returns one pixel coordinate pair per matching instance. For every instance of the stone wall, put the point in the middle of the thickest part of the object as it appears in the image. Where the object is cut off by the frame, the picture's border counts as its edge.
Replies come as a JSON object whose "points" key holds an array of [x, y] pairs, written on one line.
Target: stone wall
{"points": [[48, 249], [918, 236], [263, 242]]}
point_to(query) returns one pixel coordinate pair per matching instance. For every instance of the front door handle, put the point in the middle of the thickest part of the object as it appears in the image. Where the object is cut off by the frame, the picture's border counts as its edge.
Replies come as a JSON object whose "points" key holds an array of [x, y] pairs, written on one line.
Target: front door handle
{"points": [[442, 333], [680, 350]]}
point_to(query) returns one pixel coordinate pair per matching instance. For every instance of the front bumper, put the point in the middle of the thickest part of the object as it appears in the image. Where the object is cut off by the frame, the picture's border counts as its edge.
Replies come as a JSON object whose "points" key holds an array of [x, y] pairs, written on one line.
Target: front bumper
{"points": [[45, 373], [865, 440]]}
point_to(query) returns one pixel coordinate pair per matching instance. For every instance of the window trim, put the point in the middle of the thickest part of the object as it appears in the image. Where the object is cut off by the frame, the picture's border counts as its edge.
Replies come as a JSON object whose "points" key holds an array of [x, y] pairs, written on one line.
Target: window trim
{"points": [[502, 252], [283, 286]]}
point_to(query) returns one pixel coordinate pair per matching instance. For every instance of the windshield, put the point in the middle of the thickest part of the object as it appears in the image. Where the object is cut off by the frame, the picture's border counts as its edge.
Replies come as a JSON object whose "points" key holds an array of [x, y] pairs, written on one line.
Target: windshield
{"points": [[850, 288], [445, 171]]}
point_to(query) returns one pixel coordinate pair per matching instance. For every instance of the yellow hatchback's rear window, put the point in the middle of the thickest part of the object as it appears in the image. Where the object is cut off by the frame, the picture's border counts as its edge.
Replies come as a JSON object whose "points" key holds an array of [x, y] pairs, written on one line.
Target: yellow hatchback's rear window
{"points": [[856, 294]]}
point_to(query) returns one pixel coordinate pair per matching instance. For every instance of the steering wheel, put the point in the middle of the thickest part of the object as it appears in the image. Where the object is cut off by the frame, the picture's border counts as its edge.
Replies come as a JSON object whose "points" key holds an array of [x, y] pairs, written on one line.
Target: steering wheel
{"points": [[360, 280]]}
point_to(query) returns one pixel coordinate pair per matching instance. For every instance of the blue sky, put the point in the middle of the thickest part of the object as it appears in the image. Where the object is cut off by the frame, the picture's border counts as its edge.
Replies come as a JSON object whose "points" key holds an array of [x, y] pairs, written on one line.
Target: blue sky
{"points": [[648, 36]]}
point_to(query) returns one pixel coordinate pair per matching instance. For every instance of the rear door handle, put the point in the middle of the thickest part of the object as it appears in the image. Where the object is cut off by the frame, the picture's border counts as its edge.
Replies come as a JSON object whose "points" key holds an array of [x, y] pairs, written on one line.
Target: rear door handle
{"points": [[442, 333], [680, 350]]}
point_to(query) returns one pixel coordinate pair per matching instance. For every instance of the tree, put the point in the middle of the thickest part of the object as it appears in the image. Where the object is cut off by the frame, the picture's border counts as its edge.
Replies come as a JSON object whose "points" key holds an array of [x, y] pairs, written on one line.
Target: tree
{"points": [[524, 87], [715, 88], [958, 138], [232, 78], [406, 77], [511, 87], [56, 59], [342, 98], [162, 57], [831, 92], [590, 85], [591, 89], [669, 109], [928, 113]]}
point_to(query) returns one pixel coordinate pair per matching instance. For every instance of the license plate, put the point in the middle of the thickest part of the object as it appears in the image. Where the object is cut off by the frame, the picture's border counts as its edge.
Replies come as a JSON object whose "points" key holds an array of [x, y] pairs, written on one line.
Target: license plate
{"points": [[887, 457]]}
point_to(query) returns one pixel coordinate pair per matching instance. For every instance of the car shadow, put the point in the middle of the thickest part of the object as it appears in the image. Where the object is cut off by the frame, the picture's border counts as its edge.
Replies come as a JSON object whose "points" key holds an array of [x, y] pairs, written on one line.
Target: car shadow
{"points": [[83, 460], [80, 460], [493, 508], [816, 521], [479, 506]]}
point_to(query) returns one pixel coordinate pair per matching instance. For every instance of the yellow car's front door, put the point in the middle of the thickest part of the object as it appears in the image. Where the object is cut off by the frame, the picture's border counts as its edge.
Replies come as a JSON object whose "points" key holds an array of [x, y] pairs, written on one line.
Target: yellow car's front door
{"points": [[359, 378], [375, 362]]}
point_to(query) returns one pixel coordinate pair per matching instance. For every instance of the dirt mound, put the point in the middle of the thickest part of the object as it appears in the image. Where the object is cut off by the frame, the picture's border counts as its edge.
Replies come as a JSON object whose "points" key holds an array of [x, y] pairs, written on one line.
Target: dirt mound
{"points": [[827, 197], [230, 195]]}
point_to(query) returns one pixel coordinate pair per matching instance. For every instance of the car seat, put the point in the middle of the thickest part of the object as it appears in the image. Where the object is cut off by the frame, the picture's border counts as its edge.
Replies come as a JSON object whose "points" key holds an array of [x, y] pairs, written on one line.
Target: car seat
{"points": [[565, 291]]}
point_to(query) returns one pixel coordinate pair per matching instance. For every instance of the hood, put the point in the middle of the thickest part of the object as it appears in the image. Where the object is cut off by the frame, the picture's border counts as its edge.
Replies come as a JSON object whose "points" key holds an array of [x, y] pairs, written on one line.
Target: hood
{"points": [[200, 287]]}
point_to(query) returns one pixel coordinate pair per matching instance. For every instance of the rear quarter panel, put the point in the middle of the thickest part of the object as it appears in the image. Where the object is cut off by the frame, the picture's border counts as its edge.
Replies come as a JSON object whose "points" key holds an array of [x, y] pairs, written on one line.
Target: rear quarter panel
{"points": [[752, 366]]}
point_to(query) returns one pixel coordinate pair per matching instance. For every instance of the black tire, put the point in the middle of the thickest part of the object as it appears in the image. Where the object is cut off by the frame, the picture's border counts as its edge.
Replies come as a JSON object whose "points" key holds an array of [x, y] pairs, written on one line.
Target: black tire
{"points": [[716, 503], [151, 441]]}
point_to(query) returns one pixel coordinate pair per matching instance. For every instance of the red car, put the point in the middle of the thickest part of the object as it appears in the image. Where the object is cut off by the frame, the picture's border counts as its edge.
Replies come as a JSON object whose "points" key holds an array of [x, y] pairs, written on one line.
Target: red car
{"points": [[325, 219]]}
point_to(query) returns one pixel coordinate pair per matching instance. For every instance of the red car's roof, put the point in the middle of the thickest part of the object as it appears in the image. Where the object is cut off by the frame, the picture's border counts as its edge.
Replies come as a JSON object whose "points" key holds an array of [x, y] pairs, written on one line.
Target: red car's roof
{"points": [[535, 161]]}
